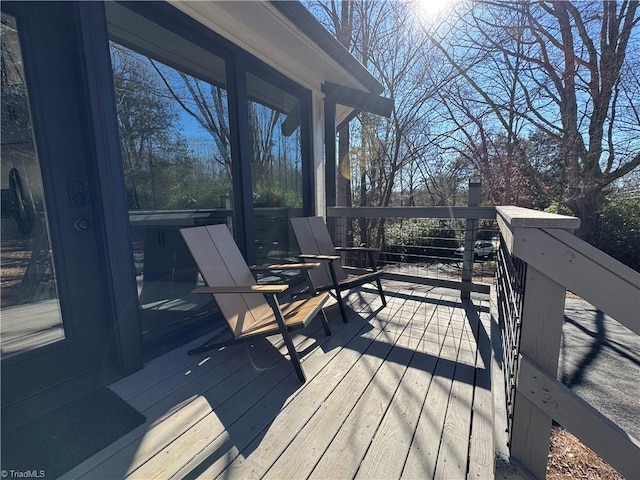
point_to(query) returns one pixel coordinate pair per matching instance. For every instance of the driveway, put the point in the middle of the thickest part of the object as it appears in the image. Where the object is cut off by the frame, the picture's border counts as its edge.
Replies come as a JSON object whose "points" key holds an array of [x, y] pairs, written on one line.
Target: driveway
{"points": [[600, 361]]}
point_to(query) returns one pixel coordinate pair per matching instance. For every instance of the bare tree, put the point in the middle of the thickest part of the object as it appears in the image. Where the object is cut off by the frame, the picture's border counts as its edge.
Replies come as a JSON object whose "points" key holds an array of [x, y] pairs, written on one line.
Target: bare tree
{"points": [[390, 148], [570, 75], [205, 103], [148, 138], [443, 180], [384, 152]]}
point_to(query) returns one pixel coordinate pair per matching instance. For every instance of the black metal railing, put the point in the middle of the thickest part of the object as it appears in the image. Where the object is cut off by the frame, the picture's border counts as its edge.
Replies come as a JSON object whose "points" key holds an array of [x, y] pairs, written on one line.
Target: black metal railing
{"points": [[426, 245], [510, 283]]}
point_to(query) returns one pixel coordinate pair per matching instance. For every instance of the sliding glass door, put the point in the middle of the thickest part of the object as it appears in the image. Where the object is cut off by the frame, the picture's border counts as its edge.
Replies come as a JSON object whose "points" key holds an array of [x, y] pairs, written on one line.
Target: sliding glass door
{"points": [[209, 135], [173, 116]]}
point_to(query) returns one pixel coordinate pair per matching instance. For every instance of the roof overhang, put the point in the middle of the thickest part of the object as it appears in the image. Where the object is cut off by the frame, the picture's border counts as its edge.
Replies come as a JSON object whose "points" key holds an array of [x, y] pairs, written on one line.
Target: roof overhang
{"points": [[286, 36], [297, 13], [364, 102]]}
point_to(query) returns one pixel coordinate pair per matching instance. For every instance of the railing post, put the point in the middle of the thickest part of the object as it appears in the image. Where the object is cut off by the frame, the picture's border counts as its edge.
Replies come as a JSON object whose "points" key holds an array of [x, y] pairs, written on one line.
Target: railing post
{"points": [[470, 239], [542, 318]]}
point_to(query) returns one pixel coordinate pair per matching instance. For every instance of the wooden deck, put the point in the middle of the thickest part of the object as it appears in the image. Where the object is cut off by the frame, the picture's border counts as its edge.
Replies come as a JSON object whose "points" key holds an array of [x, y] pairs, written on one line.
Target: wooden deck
{"points": [[402, 391]]}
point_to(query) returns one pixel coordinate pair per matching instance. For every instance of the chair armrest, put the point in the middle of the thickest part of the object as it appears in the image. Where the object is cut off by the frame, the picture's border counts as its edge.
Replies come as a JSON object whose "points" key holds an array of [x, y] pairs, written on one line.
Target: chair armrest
{"points": [[285, 266], [243, 289], [357, 249], [313, 256]]}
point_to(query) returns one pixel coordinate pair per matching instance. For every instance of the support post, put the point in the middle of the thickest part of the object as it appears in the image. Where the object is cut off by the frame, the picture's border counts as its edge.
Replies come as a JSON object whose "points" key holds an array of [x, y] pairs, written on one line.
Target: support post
{"points": [[542, 318], [471, 232], [330, 157]]}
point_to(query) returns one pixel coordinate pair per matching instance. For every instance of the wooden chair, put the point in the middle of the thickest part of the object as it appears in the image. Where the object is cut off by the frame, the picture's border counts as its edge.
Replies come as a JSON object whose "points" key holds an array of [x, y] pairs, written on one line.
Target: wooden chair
{"points": [[250, 310], [315, 244]]}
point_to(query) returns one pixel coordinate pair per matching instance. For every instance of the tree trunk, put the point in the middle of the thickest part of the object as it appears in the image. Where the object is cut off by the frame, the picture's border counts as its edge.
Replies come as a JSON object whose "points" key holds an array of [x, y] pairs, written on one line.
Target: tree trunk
{"points": [[587, 208]]}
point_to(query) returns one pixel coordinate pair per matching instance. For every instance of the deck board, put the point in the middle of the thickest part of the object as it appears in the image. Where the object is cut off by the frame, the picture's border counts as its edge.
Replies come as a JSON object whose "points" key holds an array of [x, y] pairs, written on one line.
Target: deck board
{"points": [[156, 371], [261, 453], [423, 451], [481, 446], [220, 433], [356, 434], [390, 394], [168, 433], [353, 388], [388, 450], [317, 434], [165, 414], [454, 447], [213, 453]]}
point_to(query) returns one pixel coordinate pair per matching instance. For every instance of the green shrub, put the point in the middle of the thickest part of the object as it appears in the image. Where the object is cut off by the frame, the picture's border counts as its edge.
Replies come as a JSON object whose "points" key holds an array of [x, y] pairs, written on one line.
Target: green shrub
{"points": [[413, 239], [618, 232]]}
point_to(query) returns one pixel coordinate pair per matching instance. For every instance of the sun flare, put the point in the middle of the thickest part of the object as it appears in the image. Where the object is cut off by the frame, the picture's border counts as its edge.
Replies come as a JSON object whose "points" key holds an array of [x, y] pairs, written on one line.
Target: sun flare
{"points": [[430, 10]]}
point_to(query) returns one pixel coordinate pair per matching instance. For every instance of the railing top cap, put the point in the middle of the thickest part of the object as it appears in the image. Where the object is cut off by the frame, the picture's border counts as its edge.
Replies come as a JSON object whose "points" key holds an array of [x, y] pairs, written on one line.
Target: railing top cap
{"points": [[413, 212], [518, 217]]}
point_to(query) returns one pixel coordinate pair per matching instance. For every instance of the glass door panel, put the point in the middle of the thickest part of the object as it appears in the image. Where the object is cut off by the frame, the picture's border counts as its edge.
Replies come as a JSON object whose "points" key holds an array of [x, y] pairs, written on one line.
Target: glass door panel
{"points": [[173, 116], [276, 167], [30, 308]]}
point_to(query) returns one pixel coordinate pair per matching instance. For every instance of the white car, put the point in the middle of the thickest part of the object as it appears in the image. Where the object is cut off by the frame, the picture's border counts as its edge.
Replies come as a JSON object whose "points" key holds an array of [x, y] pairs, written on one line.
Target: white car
{"points": [[481, 249]]}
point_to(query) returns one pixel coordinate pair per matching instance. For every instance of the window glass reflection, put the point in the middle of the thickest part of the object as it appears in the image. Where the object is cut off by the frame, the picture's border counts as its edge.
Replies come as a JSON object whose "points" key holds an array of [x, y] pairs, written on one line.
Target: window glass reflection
{"points": [[274, 127], [30, 309], [173, 119]]}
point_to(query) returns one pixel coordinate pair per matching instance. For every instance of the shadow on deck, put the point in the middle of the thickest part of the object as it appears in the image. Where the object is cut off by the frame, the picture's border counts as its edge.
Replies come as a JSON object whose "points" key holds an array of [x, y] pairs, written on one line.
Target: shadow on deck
{"points": [[401, 391]]}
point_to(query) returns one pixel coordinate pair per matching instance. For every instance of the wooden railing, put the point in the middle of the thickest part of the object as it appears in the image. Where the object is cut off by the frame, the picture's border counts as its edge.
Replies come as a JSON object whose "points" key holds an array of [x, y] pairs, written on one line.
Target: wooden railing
{"points": [[556, 261]]}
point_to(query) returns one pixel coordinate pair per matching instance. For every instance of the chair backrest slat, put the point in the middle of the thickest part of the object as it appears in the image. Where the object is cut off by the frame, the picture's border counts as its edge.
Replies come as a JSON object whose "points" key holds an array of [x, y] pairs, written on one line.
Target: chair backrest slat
{"points": [[313, 238], [221, 264]]}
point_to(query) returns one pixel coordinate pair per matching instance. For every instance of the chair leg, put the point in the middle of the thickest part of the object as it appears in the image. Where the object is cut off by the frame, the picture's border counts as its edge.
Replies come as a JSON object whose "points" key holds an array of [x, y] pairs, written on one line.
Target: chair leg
{"points": [[286, 336], [334, 279], [297, 366], [343, 308], [325, 323], [384, 300], [373, 266]]}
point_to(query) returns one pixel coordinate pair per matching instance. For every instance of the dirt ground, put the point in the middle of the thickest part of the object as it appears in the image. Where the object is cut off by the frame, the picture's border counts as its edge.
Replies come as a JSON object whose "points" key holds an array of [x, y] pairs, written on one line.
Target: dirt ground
{"points": [[569, 458]]}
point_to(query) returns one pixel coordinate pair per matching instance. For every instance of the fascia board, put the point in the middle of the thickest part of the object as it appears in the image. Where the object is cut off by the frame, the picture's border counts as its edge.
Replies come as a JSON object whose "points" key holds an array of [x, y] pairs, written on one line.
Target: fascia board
{"points": [[260, 29]]}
